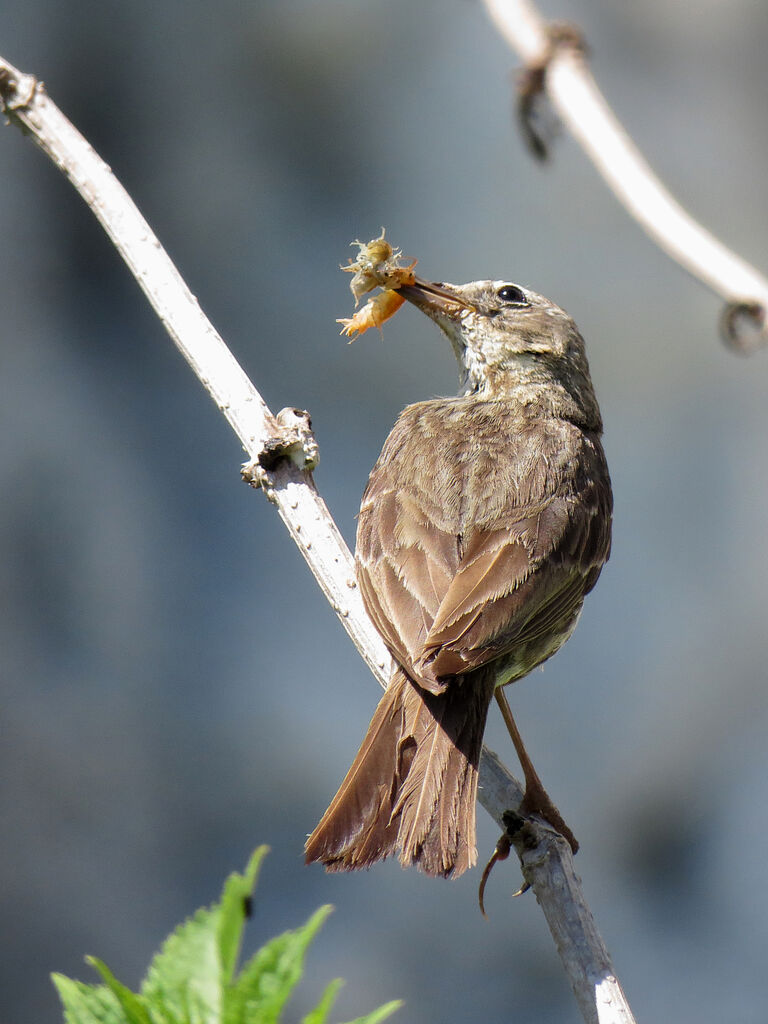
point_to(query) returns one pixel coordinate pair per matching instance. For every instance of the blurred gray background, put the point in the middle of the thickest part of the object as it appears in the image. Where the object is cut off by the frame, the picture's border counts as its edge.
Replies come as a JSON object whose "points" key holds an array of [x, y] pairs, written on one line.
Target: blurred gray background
{"points": [[174, 688]]}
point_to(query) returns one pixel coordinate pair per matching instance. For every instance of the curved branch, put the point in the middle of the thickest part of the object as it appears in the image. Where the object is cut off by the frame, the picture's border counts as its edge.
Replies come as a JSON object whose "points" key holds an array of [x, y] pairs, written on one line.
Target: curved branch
{"points": [[287, 482], [582, 107]]}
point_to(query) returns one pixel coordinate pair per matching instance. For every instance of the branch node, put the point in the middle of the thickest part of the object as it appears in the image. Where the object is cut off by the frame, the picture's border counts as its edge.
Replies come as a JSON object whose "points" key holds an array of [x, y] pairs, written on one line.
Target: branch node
{"points": [[537, 121], [744, 326], [295, 441], [17, 90]]}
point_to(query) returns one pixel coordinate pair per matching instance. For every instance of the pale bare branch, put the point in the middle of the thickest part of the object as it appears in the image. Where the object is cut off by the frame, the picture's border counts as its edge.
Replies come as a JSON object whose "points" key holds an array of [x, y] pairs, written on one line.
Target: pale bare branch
{"points": [[583, 109]]}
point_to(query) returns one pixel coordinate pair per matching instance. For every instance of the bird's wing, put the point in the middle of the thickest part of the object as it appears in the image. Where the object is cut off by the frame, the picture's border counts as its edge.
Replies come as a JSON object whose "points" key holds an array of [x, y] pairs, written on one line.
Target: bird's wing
{"points": [[447, 603], [405, 566], [519, 588]]}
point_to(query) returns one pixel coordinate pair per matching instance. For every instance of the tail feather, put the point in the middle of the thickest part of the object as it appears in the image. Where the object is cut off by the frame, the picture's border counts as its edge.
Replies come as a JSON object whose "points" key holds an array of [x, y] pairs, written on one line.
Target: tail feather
{"points": [[356, 830], [437, 830], [413, 785]]}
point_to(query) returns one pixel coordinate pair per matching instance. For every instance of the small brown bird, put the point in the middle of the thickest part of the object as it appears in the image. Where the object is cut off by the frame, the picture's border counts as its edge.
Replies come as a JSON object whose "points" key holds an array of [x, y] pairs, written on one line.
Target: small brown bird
{"points": [[485, 521]]}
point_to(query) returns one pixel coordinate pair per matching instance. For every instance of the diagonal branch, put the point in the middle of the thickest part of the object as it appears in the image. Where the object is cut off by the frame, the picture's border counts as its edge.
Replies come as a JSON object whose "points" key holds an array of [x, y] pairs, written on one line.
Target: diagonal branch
{"points": [[287, 482], [582, 107]]}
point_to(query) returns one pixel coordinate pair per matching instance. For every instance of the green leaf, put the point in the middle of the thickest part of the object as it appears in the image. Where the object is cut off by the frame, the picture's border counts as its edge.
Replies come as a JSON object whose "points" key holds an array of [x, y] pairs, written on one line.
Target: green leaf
{"points": [[192, 979], [189, 975], [87, 1004], [237, 891], [266, 982], [132, 1005], [378, 1015], [320, 1013], [184, 977]]}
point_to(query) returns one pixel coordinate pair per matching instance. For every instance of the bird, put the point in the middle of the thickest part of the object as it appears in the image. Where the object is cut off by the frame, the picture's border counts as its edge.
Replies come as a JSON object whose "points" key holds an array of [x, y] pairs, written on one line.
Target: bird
{"points": [[485, 521]]}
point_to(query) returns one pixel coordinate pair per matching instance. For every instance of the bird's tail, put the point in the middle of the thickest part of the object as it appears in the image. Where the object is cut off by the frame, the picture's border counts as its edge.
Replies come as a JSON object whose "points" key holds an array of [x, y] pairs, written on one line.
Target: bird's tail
{"points": [[413, 785]]}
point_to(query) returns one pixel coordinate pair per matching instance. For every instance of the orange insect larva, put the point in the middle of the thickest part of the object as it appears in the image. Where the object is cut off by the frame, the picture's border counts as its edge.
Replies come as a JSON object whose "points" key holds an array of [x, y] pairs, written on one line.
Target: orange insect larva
{"points": [[373, 314]]}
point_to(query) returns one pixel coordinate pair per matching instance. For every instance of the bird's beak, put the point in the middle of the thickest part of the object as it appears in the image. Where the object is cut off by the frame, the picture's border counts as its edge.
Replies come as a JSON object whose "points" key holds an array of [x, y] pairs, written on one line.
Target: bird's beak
{"points": [[438, 301]]}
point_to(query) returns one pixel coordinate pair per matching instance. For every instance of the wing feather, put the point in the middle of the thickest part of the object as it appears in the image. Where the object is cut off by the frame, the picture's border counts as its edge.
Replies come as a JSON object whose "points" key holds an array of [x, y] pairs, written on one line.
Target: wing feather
{"points": [[485, 555]]}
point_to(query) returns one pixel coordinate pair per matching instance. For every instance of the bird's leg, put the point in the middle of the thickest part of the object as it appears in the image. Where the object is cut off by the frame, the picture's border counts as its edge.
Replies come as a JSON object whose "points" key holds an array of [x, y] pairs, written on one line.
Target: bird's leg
{"points": [[536, 799]]}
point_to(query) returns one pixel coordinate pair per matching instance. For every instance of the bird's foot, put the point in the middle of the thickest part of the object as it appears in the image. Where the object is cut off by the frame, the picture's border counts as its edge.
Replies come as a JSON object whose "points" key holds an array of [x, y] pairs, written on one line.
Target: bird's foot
{"points": [[537, 801], [513, 823]]}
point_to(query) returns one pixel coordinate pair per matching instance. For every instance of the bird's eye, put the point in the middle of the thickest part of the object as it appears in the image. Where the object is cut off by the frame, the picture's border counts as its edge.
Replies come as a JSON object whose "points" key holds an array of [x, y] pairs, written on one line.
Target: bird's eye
{"points": [[512, 294]]}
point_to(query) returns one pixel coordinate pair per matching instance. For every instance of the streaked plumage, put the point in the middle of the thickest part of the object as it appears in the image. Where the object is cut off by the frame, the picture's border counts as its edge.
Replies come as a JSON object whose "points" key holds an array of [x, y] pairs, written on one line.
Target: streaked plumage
{"points": [[485, 521]]}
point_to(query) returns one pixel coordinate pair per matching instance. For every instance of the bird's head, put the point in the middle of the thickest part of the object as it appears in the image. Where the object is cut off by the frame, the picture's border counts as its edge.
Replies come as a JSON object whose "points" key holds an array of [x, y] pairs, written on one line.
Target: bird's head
{"points": [[511, 342]]}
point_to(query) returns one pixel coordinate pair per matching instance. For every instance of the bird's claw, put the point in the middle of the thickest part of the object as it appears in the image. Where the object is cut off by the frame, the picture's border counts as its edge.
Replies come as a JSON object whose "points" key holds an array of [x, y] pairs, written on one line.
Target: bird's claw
{"points": [[513, 823], [537, 801]]}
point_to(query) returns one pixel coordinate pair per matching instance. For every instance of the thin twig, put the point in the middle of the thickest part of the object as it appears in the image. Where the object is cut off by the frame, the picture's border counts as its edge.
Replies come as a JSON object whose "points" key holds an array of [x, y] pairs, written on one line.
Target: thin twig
{"points": [[583, 109], [288, 483]]}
